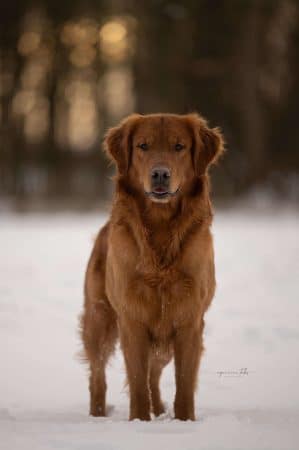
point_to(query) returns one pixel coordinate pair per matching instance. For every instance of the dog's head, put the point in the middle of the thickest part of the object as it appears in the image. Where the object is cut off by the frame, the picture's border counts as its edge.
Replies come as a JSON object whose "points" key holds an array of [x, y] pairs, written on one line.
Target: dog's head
{"points": [[161, 155]]}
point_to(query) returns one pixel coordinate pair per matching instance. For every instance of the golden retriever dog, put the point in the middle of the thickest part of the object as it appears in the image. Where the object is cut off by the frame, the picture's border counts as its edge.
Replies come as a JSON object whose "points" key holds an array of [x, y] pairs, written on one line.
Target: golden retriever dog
{"points": [[150, 277]]}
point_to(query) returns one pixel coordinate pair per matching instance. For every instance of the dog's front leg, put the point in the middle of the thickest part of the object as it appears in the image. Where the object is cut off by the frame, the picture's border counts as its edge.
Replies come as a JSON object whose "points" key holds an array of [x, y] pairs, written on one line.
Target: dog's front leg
{"points": [[135, 344], [187, 350]]}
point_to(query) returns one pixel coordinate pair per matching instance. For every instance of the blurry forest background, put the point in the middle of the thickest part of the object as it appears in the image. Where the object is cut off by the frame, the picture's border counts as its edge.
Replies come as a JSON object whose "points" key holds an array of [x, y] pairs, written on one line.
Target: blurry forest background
{"points": [[70, 69]]}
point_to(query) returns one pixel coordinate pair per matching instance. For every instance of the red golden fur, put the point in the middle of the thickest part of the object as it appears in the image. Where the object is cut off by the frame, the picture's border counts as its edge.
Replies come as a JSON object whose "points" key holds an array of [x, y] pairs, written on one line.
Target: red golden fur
{"points": [[150, 277]]}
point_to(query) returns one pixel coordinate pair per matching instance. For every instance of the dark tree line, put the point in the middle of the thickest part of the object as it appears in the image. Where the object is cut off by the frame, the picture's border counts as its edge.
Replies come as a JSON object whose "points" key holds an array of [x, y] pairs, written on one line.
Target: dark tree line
{"points": [[68, 70]]}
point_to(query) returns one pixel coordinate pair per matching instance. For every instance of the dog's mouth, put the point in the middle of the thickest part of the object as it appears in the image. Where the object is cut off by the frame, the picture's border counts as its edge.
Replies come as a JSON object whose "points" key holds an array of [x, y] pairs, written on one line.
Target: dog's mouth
{"points": [[161, 193]]}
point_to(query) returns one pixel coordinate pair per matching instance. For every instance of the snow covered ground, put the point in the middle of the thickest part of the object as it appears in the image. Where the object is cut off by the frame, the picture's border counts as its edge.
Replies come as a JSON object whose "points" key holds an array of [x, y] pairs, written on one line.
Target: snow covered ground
{"points": [[248, 395]]}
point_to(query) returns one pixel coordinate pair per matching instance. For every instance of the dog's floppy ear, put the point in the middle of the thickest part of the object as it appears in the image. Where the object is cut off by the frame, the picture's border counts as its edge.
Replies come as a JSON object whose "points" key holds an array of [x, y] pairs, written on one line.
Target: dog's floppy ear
{"points": [[117, 143], [208, 144]]}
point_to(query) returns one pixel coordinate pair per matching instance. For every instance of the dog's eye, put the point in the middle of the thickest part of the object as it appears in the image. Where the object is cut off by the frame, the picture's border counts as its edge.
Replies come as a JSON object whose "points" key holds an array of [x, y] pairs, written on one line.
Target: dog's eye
{"points": [[178, 147], [143, 146]]}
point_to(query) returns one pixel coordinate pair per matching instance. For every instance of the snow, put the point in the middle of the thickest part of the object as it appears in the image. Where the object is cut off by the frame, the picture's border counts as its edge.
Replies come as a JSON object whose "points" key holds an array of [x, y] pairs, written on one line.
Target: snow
{"points": [[248, 396]]}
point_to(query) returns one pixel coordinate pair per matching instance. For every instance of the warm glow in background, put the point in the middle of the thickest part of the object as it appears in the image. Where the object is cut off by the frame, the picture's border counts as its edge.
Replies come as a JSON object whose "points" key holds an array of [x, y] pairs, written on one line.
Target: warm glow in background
{"points": [[69, 71]]}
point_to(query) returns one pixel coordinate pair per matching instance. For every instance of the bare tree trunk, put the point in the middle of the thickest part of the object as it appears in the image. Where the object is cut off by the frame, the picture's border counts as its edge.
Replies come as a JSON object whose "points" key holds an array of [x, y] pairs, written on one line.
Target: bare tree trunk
{"points": [[249, 105]]}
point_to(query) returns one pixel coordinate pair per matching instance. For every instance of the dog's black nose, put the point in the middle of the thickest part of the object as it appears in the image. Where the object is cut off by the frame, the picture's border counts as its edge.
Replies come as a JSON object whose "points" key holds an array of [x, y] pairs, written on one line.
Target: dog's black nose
{"points": [[160, 176]]}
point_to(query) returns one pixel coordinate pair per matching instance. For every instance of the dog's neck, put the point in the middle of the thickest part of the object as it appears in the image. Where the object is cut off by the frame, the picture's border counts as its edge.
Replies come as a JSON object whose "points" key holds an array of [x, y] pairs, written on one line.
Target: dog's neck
{"points": [[164, 228]]}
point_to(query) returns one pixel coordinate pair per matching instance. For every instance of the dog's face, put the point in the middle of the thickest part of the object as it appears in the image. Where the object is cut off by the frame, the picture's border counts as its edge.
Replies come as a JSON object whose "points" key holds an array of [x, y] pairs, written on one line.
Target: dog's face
{"points": [[162, 154]]}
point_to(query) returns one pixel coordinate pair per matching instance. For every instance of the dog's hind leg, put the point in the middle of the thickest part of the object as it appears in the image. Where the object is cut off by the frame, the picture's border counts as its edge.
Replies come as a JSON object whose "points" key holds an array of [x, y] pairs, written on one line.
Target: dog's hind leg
{"points": [[99, 328], [156, 367], [99, 333]]}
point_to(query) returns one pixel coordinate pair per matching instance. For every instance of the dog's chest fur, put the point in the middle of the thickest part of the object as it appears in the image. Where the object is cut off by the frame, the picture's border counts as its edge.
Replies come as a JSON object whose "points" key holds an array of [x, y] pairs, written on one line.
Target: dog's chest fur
{"points": [[166, 286], [163, 298]]}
